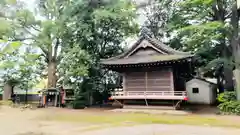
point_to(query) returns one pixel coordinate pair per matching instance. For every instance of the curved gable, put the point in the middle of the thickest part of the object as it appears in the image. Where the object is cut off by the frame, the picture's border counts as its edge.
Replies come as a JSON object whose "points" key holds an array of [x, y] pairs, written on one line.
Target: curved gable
{"points": [[145, 48]]}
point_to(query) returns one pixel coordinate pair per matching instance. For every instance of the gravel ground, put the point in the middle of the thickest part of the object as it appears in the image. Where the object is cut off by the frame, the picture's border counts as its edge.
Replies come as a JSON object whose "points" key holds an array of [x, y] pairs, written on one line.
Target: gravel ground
{"points": [[159, 129], [16, 122]]}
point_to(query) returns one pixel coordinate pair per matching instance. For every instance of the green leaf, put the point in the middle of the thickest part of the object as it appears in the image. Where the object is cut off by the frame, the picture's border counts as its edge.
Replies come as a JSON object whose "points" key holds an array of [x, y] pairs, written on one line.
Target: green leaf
{"points": [[7, 64], [11, 2], [11, 47]]}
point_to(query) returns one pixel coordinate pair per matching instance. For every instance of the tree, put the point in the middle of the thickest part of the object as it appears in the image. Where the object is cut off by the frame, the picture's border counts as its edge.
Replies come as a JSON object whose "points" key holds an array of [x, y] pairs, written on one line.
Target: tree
{"points": [[221, 12], [98, 28], [20, 68], [235, 44], [158, 14], [6, 28], [74, 35], [13, 62], [200, 26], [44, 34]]}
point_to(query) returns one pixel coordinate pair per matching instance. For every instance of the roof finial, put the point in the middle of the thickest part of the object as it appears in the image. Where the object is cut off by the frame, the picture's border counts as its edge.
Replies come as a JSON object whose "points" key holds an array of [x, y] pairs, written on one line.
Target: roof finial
{"points": [[145, 32]]}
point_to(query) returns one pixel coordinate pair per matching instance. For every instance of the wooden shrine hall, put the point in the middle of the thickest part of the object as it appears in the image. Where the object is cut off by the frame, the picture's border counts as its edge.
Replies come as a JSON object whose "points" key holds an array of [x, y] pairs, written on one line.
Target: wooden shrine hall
{"points": [[151, 70]]}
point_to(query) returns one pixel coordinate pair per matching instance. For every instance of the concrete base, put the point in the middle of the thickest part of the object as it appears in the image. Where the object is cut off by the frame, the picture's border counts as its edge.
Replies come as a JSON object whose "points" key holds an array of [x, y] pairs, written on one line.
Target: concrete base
{"points": [[152, 111], [148, 107]]}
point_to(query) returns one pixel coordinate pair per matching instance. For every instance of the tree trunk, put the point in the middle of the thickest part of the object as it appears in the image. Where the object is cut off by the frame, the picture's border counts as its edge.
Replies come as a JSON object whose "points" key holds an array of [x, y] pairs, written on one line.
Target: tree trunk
{"points": [[237, 82], [237, 71], [228, 77], [235, 47], [52, 80], [8, 91], [52, 65]]}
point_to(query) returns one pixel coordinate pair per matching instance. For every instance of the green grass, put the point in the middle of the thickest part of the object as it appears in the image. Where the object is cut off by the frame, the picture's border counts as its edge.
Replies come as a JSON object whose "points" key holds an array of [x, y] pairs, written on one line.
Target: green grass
{"points": [[31, 133], [2, 102], [131, 118]]}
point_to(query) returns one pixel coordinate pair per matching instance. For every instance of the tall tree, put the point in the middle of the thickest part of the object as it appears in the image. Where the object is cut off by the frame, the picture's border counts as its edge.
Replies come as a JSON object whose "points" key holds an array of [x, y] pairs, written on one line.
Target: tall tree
{"points": [[95, 28], [20, 68], [158, 14], [8, 44], [201, 26], [98, 28], [235, 44], [45, 34]]}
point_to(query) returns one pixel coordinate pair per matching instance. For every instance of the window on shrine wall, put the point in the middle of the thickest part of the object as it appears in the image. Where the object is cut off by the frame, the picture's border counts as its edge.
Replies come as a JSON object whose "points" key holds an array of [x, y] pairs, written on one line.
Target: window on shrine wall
{"points": [[195, 90]]}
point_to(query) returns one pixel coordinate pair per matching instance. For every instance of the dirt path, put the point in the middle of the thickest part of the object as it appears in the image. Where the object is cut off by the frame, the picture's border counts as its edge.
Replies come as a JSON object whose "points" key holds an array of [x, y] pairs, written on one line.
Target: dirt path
{"points": [[165, 130], [16, 122]]}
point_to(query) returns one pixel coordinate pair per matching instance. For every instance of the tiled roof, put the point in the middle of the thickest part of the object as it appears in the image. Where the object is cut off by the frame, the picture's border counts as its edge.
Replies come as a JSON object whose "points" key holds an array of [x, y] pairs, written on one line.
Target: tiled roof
{"points": [[143, 60], [170, 54]]}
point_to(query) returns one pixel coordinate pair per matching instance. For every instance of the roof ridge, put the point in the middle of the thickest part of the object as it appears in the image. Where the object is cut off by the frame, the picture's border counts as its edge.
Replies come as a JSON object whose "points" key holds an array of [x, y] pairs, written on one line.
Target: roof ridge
{"points": [[165, 47], [158, 44], [203, 79]]}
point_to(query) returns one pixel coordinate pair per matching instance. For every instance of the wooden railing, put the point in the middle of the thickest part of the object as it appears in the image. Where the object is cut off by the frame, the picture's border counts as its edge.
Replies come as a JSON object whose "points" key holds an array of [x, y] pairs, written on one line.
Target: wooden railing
{"points": [[150, 94]]}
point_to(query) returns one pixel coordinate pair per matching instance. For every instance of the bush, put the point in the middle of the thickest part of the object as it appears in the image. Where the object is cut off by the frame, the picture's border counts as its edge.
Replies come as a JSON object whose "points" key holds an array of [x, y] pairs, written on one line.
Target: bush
{"points": [[227, 97], [230, 107], [229, 103], [78, 104]]}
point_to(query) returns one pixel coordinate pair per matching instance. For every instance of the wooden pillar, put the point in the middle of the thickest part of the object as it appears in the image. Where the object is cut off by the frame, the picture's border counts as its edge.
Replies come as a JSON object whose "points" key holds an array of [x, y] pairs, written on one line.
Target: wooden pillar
{"points": [[146, 81], [146, 87], [171, 79], [44, 100], [56, 99], [124, 82], [124, 88]]}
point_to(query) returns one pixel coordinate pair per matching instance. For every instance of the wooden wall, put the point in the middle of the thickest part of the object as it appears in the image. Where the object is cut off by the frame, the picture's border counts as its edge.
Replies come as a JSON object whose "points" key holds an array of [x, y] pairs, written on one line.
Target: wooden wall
{"points": [[144, 52], [151, 81]]}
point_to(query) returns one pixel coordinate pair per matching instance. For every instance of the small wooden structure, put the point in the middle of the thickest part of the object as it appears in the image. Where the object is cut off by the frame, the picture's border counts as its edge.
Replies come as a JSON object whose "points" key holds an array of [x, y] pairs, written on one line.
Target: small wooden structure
{"points": [[151, 70], [50, 97], [56, 96], [201, 91], [68, 95]]}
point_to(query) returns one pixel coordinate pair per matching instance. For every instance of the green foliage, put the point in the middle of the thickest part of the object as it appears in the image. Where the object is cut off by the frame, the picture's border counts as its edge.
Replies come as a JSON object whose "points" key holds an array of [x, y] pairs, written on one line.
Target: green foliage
{"points": [[25, 17], [201, 35], [9, 48], [79, 102], [199, 26], [198, 2], [229, 103], [74, 64], [19, 67], [97, 29], [231, 107], [73, 35], [227, 97], [5, 28], [158, 18], [212, 66]]}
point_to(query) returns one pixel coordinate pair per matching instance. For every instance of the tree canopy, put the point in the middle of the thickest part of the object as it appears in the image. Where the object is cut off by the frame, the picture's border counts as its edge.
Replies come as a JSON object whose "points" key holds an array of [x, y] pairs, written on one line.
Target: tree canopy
{"points": [[69, 38], [201, 26]]}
